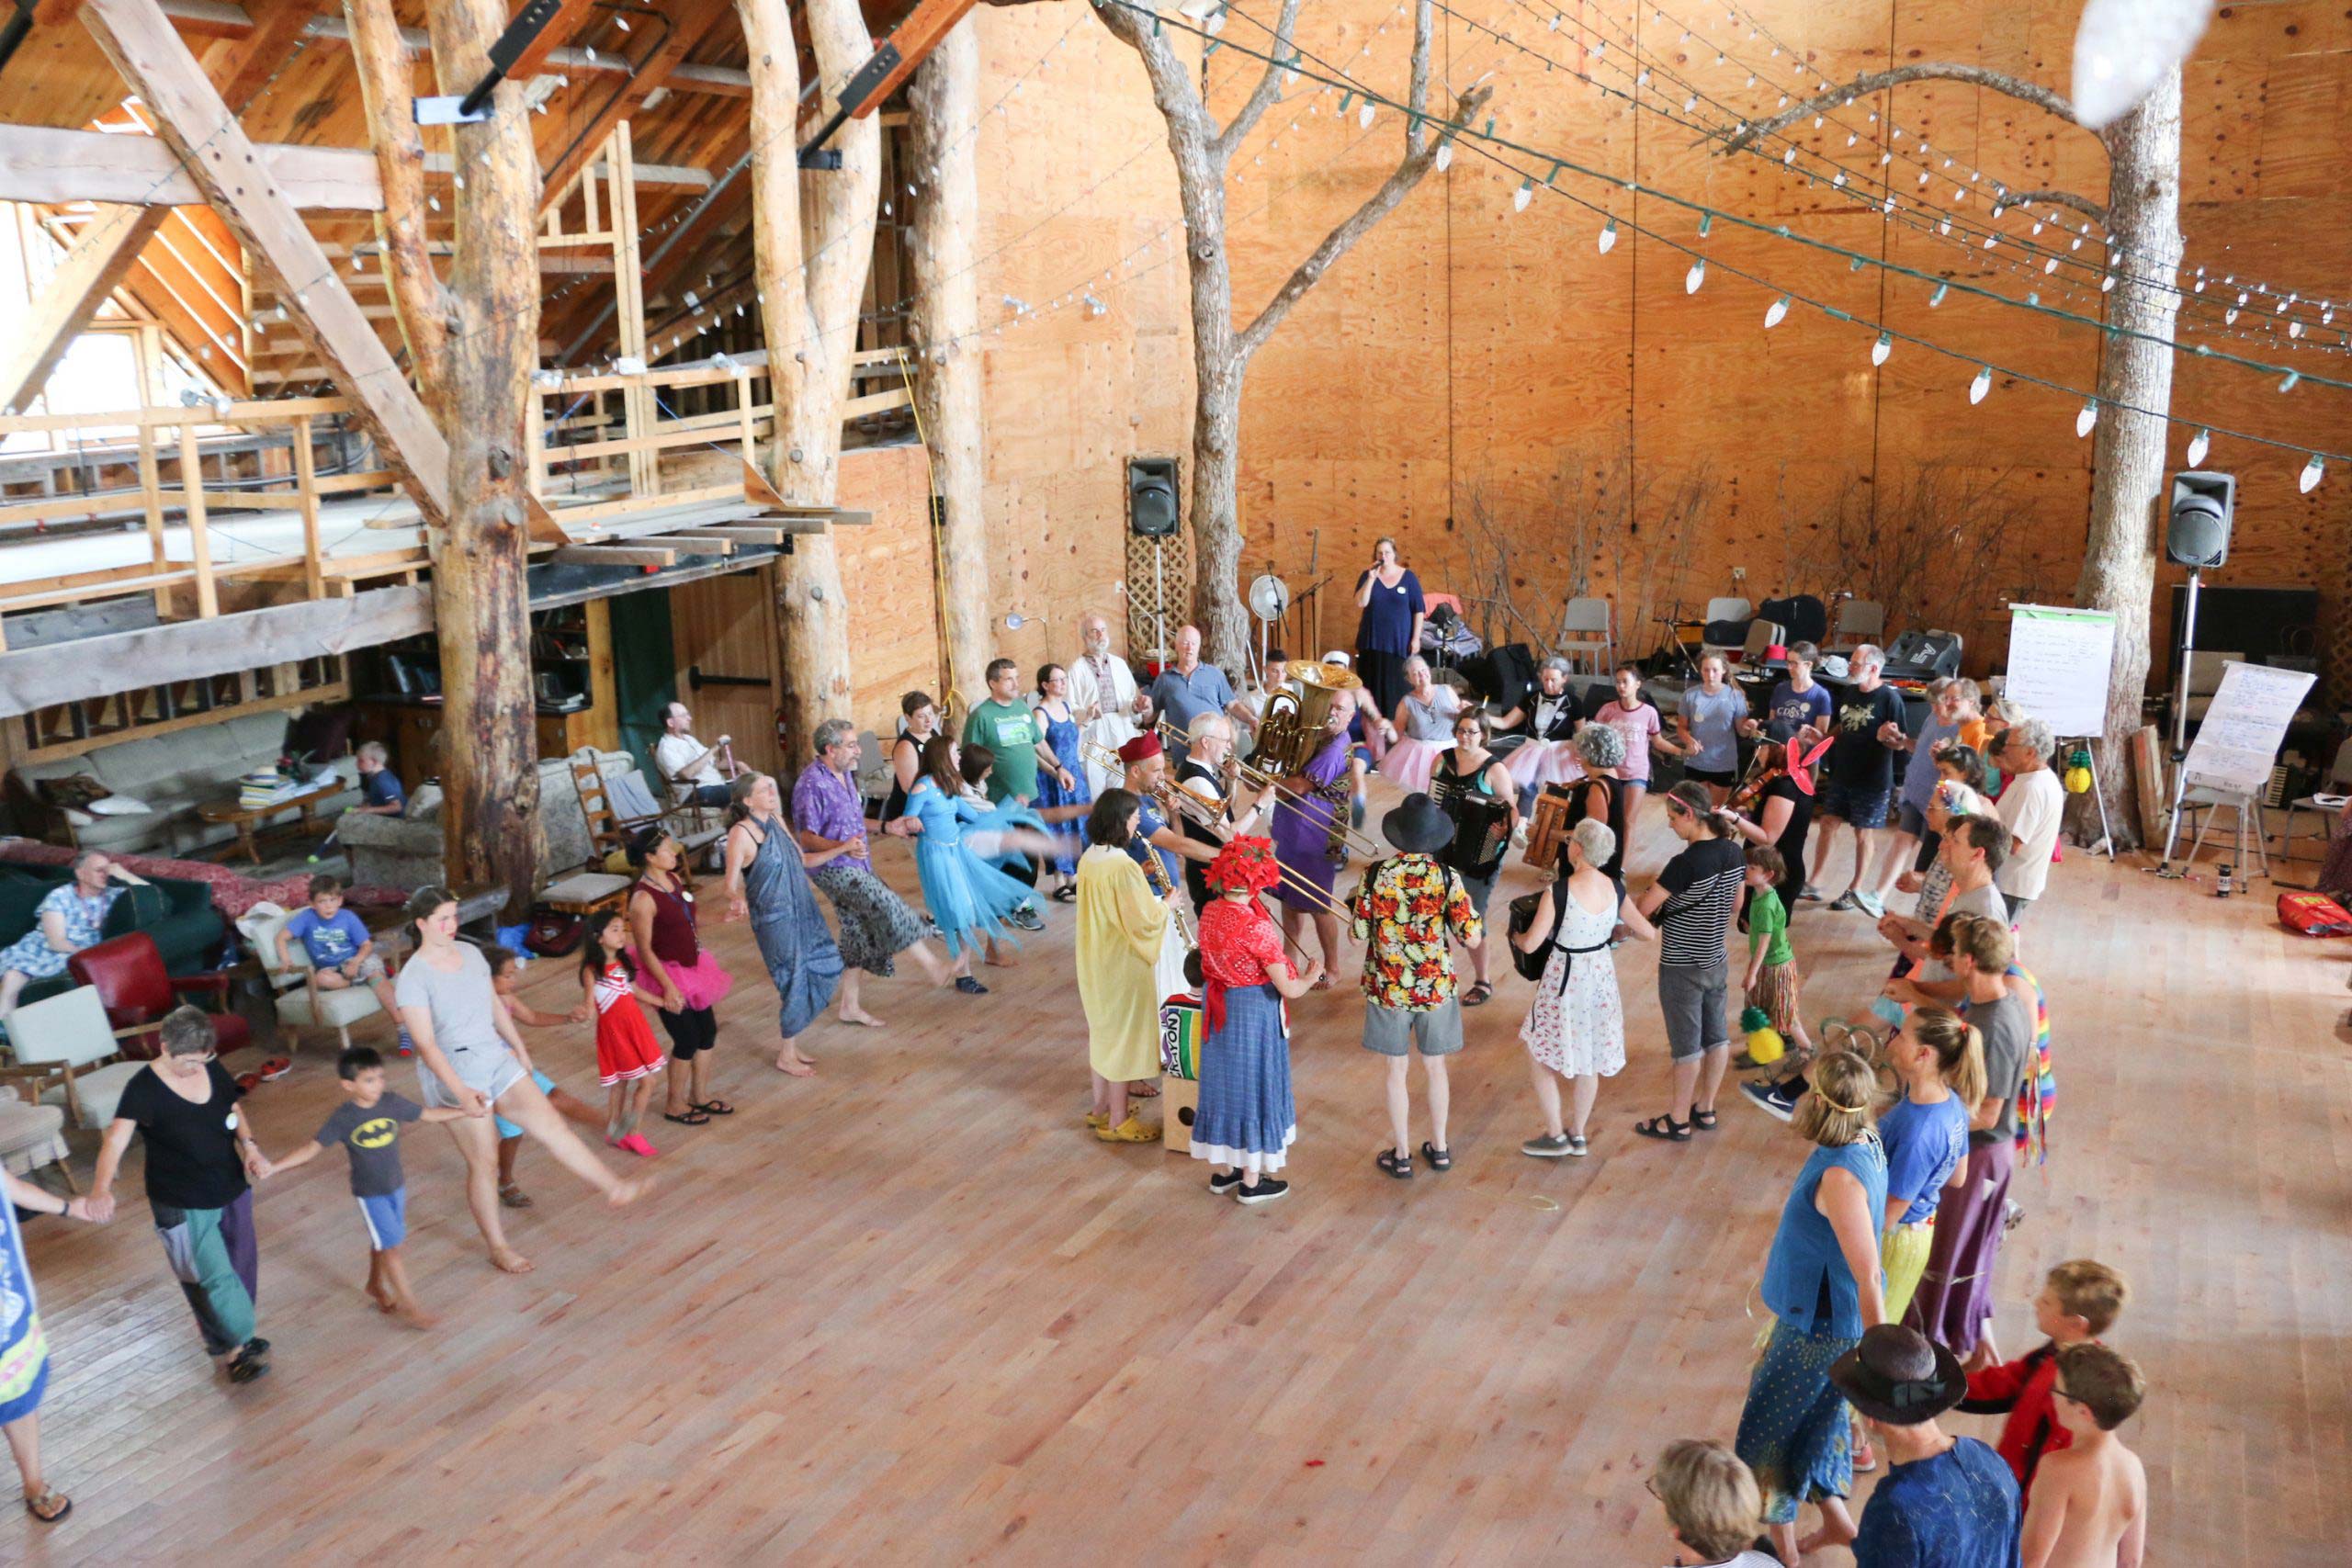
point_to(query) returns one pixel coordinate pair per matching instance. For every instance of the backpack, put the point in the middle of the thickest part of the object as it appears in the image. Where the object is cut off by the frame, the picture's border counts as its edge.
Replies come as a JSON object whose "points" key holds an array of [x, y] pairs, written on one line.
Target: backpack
{"points": [[553, 934], [2313, 914]]}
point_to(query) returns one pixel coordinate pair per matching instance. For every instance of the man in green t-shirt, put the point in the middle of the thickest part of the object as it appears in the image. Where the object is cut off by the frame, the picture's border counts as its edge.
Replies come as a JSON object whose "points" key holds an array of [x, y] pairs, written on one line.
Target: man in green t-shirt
{"points": [[1008, 728]]}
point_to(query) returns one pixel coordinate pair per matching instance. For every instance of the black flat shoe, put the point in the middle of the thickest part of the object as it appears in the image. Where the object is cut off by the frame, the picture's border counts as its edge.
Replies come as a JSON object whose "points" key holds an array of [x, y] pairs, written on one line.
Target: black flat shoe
{"points": [[1440, 1159], [1399, 1167]]}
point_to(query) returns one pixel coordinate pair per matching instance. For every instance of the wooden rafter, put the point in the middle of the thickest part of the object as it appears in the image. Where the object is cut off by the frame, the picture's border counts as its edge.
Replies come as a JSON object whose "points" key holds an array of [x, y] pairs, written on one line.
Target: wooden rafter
{"points": [[90, 272], [252, 61], [691, 20], [194, 121]]}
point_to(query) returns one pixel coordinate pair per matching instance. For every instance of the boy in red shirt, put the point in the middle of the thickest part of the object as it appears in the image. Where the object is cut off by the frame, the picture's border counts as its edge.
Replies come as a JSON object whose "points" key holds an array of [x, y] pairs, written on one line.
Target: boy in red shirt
{"points": [[2080, 1300]]}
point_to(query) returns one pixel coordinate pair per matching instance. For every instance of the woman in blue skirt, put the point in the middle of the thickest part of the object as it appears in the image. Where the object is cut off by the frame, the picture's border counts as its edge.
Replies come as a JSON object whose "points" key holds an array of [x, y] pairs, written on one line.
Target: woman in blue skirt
{"points": [[767, 878], [1060, 789], [967, 897], [24, 1354], [1247, 1120], [1823, 1285]]}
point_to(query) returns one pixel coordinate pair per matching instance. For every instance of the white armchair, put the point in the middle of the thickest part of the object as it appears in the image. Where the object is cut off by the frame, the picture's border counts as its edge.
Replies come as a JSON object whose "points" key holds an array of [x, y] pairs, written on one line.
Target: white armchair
{"points": [[294, 986], [66, 1046]]}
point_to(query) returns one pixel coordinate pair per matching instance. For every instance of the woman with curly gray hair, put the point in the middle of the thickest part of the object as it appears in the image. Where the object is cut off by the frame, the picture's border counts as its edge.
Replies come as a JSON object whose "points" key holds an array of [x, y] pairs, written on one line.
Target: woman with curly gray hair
{"points": [[1600, 795]]}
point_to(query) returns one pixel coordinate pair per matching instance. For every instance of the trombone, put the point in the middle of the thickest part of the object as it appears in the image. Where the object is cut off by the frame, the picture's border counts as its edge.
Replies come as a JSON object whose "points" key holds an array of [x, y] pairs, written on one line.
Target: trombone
{"points": [[1353, 840], [1184, 803]]}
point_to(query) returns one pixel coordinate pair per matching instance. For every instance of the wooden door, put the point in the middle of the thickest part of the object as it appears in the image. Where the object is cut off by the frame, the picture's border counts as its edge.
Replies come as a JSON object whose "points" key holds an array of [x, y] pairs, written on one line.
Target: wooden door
{"points": [[723, 629]]}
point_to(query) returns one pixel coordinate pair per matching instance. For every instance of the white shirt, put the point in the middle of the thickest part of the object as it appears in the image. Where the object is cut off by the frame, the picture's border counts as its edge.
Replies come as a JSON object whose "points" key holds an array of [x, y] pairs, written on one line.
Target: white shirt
{"points": [[2032, 808], [674, 751], [1113, 688]]}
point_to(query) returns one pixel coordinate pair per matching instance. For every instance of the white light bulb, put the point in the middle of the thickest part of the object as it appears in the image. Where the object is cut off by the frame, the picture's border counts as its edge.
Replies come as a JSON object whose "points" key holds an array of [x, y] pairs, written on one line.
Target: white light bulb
{"points": [[1981, 385], [2288, 382], [2087, 418], [2229, 317], [2310, 476], [2198, 444], [1363, 117], [1776, 312], [1882, 348], [1444, 156], [1695, 276], [1937, 296], [2294, 329], [1608, 236], [1790, 156], [1521, 197]]}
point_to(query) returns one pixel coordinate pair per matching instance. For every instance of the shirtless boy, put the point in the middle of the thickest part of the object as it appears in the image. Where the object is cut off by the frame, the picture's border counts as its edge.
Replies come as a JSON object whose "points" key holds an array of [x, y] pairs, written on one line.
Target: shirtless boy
{"points": [[2090, 1498]]}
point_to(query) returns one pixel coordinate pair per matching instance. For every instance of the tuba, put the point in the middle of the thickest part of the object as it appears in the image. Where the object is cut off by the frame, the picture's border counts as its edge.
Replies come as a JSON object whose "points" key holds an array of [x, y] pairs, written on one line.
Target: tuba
{"points": [[1291, 732]]}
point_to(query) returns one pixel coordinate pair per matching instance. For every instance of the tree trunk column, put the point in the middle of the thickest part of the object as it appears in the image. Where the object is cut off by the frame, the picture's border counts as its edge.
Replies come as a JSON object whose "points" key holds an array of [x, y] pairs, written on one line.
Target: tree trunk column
{"points": [[490, 756], [2128, 458], [944, 104]]}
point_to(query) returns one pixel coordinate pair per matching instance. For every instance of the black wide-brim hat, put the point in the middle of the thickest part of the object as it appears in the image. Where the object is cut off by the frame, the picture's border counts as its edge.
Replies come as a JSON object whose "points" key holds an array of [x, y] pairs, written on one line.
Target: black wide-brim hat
{"points": [[1416, 827], [1899, 1376]]}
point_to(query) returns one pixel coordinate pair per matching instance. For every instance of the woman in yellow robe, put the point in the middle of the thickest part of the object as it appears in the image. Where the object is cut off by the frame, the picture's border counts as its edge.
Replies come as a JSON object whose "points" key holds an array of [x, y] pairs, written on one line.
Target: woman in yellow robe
{"points": [[1120, 927]]}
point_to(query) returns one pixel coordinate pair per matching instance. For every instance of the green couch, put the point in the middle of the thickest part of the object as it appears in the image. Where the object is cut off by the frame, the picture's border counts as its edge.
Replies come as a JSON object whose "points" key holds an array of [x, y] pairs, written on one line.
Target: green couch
{"points": [[177, 914]]}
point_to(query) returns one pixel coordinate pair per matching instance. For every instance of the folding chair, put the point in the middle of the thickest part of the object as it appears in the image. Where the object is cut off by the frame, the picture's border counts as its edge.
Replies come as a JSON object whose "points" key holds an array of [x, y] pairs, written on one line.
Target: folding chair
{"points": [[1585, 640], [1859, 621], [2339, 782], [1725, 608]]}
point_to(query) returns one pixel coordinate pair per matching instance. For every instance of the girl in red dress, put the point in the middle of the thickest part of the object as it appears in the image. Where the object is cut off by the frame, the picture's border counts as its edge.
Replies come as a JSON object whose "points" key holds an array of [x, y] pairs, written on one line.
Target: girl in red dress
{"points": [[627, 1053]]}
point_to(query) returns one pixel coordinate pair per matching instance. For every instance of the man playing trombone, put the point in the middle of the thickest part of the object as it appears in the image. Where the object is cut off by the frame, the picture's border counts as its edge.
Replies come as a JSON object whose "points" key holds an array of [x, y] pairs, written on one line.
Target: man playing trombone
{"points": [[1310, 840], [1209, 775]]}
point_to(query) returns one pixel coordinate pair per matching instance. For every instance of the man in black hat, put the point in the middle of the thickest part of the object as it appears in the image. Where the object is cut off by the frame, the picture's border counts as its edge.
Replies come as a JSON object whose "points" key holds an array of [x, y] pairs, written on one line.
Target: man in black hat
{"points": [[1946, 1501], [1404, 909]]}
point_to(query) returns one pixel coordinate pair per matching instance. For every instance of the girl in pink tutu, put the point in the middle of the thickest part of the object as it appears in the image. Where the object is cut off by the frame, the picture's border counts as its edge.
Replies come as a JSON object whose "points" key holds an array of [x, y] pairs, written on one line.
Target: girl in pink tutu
{"points": [[671, 957], [1547, 717], [1423, 727]]}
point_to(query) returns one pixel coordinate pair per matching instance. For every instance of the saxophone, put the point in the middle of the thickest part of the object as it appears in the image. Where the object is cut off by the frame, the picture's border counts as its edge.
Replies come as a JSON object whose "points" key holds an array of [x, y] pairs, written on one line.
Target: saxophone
{"points": [[1156, 870]]}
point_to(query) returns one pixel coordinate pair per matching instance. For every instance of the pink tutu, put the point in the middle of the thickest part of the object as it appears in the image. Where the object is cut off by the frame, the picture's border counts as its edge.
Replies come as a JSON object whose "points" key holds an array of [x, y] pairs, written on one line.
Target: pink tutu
{"points": [[1540, 762], [700, 987], [1410, 762]]}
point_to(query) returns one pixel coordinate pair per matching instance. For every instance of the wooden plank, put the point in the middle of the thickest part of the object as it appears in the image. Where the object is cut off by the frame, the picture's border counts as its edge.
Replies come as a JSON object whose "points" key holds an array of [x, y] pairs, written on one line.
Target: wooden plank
{"points": [[334, 692], [42, 164], [208, 597], [306, 484], [32, 678], [567, 515], [689, 20], [613, 554], [703, 544], [89, 273], [141, 583], [566, 21], [753, 533], [190, 116]]}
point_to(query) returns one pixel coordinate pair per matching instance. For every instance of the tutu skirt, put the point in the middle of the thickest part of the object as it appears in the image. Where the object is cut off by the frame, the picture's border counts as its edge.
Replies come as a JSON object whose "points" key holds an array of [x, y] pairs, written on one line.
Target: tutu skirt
{"points": [[1409, 764], [700, 985], [1540, 762]]}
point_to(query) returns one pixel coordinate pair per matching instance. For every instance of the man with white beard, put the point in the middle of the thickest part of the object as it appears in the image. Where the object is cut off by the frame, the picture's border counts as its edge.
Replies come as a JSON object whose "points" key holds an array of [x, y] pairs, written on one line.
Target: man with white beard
{"points": [[1103, 699]]}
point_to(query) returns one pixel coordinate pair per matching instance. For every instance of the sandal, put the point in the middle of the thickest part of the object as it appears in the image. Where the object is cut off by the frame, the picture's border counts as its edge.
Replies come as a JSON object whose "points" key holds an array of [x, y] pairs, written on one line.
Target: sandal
{"points": [[970, 987], [715, 1107], [1440, 1159], [50, 1506], [1401, 1168], [1664, 1127], [1066, 894], [1149, 1091], [1702, 1120], [1477, 995], [693, 1118], [511, 1194]]}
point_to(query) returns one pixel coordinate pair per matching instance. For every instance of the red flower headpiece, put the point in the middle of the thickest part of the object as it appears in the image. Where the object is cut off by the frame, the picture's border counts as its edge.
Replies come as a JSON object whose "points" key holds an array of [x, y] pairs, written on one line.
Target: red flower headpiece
{"points": [[1245, 863]]}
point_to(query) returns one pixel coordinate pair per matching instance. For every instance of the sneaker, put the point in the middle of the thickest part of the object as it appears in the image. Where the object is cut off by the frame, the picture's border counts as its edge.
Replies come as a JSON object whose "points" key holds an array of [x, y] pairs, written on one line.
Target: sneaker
{"points": [[1872, 905], [250, 1362], [1769, 1098], [1549, 1147], [1027, 918], [1844, 903], [2012, 1214], [970, 987], [275, 1068], [1809, 894], [408, 1047], [1224, 1185], [1134, 1130], [1266, 1191]]}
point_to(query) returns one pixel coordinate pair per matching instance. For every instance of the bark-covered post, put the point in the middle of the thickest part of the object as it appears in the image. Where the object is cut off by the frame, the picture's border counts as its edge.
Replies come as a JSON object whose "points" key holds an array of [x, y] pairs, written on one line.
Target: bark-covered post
{"points": [[944, 104], [1220, 354], [2142, 216], [808, 308], [385, 93], [490, 776]]}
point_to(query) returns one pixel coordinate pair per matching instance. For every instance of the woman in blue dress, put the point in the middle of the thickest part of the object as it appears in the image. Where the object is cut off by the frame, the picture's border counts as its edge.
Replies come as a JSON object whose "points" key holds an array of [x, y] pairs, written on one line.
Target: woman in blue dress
{"points": [[767, 879], [968, 897], [1063, 786], [1388, 633], [69, 919], [1247, 1119], [24, 1354]]}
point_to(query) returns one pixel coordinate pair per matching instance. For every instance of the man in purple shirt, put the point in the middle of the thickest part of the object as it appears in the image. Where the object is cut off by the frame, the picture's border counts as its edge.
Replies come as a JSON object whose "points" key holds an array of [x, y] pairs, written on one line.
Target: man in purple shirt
{"points": [[829, 818]]}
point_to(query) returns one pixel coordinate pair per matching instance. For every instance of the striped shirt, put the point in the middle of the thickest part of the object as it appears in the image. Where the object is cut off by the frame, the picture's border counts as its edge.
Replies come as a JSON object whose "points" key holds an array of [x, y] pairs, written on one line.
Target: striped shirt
{"points": [[1703, 892]]}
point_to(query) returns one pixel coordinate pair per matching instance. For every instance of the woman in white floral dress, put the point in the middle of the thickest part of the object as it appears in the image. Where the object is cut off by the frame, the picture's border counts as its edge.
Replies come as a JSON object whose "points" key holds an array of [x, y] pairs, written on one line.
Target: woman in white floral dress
{"points": [[1577, 1028]]}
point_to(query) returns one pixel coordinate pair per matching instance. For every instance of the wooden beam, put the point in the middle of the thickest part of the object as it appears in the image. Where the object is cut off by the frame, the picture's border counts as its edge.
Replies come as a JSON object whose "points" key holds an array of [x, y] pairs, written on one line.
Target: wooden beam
{"points": [[688, 22], [42, 164], [39, 677], [753, 533], [566, 21], [88, 273], [199, 127], [264, 50], [704, 544], [387, 92]]}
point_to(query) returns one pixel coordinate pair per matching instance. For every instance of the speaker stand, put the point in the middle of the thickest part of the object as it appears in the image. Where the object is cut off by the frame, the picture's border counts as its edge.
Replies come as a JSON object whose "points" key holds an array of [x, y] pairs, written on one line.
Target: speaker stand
{"points": [[2180, 724]]}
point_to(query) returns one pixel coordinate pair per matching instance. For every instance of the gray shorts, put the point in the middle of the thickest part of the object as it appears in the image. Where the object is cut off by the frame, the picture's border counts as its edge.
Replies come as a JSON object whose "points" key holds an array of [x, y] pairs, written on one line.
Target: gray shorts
{"points": [[2018, 906], [491, 1072], [1393, 1032], [1909, 819], [1692, 997], [1480, 888]]}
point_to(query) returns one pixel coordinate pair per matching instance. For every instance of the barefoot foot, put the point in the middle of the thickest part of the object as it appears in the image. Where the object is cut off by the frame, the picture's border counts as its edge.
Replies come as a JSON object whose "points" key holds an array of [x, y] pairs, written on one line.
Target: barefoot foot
{"points": [[863, 1018], [509, 1261], [626, 1192], [413, 1316], [797, 1067]]}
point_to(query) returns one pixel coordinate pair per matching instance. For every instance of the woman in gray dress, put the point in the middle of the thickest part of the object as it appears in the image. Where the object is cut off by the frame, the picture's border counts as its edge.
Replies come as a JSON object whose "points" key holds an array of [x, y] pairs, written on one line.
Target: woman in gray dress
{"points": [[767, 880]]}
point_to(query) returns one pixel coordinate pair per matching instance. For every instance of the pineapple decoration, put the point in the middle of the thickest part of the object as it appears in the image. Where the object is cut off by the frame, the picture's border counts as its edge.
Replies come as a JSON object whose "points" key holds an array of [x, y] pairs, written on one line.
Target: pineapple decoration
{"points": [[1764, 1045], [2078, 771]]}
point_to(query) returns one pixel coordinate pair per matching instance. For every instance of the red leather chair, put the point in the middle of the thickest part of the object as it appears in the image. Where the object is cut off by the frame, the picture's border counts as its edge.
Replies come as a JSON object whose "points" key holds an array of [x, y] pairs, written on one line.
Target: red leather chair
{"points": [[128, 975]]}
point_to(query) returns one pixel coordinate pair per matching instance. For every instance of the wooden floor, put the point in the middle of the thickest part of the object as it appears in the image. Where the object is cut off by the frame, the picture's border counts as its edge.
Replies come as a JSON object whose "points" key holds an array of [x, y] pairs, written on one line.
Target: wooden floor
{"points": [[909, 1312]]}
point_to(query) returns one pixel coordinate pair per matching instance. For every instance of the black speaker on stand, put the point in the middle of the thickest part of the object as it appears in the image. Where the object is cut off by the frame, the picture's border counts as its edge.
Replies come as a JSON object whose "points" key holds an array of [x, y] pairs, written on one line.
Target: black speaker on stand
{"points": [[2197, 534]]}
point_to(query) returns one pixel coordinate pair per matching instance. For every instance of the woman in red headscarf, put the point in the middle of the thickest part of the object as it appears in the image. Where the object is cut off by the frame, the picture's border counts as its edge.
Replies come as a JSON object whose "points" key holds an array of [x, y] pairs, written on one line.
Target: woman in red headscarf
{"points": [[1246, 1120]]}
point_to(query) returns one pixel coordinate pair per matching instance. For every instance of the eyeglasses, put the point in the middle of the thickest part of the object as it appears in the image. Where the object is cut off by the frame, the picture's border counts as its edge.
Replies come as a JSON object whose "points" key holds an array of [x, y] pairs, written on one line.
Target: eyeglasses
{"points": [[1649, 1484]]}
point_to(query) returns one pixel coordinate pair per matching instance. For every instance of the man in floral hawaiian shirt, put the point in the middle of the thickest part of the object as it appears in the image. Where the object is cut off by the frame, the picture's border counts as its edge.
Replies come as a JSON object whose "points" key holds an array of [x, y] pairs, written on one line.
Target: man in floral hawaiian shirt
{"points": [[1405, 908]]}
